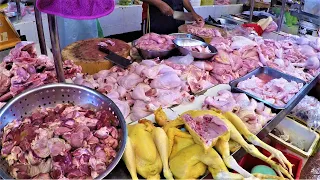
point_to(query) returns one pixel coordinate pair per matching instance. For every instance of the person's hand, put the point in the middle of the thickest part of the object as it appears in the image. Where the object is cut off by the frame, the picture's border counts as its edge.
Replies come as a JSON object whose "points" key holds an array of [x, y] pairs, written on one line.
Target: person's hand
{"points": [[165, 9], [198, 18]]}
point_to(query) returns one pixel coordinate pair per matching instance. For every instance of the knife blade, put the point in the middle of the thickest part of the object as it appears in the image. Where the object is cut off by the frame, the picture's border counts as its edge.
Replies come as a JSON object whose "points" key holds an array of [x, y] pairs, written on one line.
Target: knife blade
{"points": [[115, 58], [178, 15]]}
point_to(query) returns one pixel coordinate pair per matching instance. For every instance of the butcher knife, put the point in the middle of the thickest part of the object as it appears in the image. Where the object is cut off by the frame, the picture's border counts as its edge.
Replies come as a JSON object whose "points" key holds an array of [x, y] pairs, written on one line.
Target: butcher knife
{"points": [[115, 58], [183, 16]]}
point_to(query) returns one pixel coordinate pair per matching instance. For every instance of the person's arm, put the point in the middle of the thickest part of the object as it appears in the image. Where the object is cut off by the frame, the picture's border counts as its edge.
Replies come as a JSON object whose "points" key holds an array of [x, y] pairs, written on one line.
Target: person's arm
{"points": [[187, 5], [162, 6]]}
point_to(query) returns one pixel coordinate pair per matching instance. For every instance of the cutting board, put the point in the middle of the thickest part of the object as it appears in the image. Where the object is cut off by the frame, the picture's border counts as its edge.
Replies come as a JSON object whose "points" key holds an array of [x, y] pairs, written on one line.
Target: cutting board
{"points": [[86, 54], [183, 29]]}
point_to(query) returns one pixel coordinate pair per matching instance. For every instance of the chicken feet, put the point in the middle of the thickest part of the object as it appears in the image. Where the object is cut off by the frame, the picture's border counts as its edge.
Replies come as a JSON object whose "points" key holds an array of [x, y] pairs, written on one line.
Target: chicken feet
{"points": [[242, 129]]}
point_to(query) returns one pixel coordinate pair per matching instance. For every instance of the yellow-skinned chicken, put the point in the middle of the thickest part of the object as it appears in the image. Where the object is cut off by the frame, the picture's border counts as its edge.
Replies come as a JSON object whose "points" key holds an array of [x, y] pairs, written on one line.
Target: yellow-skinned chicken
{"points": [[146, 151], [188, 159], [210, 128]]}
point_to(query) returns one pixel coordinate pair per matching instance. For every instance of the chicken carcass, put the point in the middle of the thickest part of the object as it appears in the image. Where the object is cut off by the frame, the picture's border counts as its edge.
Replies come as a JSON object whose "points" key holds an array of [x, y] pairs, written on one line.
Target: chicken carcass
{"points": [[148, 158]]}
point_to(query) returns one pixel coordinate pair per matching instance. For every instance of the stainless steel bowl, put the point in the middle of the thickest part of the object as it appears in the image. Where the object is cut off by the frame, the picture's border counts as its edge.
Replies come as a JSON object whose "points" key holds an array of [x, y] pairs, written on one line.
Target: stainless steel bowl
{"points": [[149, 54], [182, 43], [187, 36], [53, 94]]}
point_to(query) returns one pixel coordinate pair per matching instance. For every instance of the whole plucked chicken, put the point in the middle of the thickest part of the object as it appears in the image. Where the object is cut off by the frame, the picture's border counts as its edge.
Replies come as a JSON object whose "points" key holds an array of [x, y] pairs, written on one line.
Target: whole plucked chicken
{"points": [[211, 128], [146, 151]]}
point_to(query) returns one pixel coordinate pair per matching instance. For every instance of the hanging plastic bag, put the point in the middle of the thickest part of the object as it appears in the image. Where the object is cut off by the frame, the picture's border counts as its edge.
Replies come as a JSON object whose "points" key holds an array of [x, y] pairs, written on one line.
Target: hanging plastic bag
{"points": [[71, 30], [77, 9]]}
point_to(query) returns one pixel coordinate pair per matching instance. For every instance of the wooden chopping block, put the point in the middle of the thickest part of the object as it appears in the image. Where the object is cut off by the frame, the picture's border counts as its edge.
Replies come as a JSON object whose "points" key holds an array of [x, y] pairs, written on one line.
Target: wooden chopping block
{"points": [[86, 54], [183, 29]]}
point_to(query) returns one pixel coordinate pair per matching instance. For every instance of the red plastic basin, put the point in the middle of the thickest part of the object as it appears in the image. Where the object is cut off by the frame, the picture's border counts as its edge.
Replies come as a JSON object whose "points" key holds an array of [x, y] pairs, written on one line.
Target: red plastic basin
{"points": [[248, 162]]}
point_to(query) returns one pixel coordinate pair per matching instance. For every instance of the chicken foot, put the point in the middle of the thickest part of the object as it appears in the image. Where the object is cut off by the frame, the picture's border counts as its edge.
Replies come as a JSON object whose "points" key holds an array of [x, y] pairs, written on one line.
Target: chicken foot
{"points": [[257, 142], [235, 121]]}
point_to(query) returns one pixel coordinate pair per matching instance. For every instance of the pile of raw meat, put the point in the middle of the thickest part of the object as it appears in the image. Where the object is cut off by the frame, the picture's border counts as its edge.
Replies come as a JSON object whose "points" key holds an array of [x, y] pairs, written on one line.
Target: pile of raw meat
{"points": [[202, 31], [238, 55], [150, 84], [66, 141], [155, 42], [200, 49], [23, 69], [277, 91], [141, 88], [255, 115]]}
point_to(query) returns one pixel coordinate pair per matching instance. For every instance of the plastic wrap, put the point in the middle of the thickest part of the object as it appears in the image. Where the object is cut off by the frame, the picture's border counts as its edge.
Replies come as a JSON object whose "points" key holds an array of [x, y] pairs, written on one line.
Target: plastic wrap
{"points": [[247, 32], [308, 110], [69, 30]]}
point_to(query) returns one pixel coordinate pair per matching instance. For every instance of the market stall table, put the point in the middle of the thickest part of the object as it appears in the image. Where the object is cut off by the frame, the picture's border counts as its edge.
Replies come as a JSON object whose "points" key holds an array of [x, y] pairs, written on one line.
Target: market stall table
{"points": [[237, 155]]}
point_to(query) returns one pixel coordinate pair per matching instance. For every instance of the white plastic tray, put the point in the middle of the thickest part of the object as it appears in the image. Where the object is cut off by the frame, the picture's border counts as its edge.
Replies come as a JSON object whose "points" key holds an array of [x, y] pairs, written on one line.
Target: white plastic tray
{"points": [[297, 130]]}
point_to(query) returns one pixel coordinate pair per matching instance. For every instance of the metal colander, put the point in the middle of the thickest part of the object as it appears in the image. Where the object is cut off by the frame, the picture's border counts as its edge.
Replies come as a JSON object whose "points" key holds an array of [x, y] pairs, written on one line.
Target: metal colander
{"points": [[53, 94]]}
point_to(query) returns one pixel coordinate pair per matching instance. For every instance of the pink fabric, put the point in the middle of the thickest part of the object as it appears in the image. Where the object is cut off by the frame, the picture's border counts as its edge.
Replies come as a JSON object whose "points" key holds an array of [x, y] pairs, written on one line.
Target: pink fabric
{"points": [[77, 9]]}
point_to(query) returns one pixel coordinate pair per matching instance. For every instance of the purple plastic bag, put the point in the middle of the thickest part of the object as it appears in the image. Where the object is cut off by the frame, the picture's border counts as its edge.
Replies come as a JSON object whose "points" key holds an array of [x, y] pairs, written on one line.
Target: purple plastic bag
{"points": [[77, 9]]}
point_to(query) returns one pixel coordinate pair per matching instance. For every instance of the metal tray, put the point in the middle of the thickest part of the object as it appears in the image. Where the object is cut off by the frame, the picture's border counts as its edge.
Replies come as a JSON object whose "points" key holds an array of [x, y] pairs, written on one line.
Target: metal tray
{"points": [[187, 36], [270, 72], [150, 54], [181, 43]]}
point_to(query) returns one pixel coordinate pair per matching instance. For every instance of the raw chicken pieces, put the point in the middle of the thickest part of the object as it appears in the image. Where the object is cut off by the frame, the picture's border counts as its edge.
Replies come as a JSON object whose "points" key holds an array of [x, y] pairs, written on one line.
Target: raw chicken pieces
{"points": [[202, 31], [140, 89], [62, 142], [22, 69], [242, 54], [155, 42], [255, 115], [277, 91]]}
